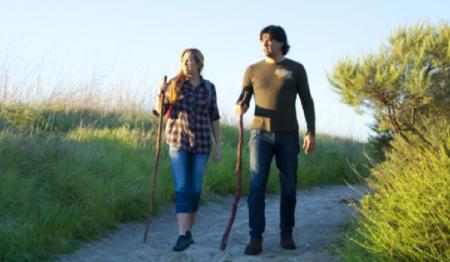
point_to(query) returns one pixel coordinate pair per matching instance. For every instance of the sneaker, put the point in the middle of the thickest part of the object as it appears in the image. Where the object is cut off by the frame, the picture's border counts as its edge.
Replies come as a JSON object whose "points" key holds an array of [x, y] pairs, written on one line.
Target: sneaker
{"points": [[287, 242], [189, 236], [182, 243], [254, 247]]}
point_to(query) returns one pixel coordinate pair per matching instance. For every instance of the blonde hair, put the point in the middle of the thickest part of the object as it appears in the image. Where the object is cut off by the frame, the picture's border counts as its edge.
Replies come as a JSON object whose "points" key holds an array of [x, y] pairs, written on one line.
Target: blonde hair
{"points": [[178, 81]]}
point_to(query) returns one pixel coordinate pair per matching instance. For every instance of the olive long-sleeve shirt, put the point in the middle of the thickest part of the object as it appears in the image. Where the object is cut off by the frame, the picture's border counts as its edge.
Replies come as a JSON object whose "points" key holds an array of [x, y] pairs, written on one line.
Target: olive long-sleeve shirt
{"points": [[275, 87]]}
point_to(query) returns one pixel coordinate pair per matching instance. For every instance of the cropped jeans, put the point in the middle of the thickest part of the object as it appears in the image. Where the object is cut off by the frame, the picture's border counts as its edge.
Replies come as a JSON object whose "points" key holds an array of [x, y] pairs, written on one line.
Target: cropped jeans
{"points": [[188, 170]]}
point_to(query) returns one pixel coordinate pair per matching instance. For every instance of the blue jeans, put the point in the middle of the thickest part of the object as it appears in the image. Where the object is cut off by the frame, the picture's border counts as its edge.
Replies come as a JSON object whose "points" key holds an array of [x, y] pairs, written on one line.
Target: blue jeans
{"points": [[263, 146], [188, 170]]}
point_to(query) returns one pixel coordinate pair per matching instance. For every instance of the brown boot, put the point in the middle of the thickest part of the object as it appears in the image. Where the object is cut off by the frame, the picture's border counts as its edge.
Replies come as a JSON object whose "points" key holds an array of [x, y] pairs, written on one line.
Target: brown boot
{"points": [[287, 242], [254, 247]]}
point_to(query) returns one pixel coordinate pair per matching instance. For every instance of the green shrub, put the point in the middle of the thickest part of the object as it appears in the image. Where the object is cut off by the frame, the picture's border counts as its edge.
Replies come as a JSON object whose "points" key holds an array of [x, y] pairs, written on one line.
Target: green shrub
{"points": [[406, 217]]}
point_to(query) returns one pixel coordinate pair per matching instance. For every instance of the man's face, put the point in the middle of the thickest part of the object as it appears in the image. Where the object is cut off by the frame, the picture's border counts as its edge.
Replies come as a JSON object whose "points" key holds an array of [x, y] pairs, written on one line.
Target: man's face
{"points": [[271, 47]]}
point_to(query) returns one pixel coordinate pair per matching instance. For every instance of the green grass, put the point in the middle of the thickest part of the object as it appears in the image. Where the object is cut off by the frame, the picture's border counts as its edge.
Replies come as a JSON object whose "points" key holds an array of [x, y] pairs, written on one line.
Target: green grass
{"points": [[69, 175], [406, 217]]}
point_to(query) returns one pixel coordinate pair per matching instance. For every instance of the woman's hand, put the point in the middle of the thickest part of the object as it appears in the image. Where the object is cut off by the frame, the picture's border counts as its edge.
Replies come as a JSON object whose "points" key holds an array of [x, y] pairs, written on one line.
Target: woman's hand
{"points": [[163, 86]]}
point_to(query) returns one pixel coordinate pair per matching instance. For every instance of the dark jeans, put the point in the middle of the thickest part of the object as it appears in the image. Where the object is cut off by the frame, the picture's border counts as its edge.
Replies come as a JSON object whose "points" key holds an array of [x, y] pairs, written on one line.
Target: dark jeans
{"points": [[263, 146]]}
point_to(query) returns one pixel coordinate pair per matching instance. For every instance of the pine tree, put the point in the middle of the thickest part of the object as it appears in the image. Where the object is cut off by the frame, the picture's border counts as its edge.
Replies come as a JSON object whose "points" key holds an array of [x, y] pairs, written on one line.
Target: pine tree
{"points": [[405, 85]]}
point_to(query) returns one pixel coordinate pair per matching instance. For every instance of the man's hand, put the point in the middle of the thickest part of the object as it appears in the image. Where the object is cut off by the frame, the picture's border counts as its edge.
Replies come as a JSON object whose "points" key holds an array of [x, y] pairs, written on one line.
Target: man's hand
{"points": [[240, 109], [308, 143]]}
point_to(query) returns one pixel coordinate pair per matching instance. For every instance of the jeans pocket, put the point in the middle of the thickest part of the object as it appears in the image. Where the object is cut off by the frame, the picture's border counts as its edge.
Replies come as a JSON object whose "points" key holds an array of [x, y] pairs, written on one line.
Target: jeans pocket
{"points": [[253, 134], [173, 151]]}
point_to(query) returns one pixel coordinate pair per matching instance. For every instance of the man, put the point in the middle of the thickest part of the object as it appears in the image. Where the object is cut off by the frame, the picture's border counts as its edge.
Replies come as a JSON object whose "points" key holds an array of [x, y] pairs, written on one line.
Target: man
{"points": [[275, 83]]}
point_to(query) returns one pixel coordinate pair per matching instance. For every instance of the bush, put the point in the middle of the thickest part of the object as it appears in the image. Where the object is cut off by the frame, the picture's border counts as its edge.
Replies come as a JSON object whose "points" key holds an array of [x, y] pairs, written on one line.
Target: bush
{"points": [[406, 217]]}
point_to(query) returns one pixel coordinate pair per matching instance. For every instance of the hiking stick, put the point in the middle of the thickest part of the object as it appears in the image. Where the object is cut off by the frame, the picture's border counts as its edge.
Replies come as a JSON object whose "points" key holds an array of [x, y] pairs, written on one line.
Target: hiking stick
{"points": [[239, 180], [155, 166]]}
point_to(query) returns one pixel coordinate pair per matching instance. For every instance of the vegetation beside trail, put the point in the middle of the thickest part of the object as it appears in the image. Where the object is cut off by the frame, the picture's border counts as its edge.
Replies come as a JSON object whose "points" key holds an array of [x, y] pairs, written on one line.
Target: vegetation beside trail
{"points": [[407, 87], [70, 174]]}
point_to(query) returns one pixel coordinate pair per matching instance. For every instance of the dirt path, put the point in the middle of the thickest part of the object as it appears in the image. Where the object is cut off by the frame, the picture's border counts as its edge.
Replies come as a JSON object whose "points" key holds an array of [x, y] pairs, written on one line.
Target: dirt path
{"points": [[321, 217]]}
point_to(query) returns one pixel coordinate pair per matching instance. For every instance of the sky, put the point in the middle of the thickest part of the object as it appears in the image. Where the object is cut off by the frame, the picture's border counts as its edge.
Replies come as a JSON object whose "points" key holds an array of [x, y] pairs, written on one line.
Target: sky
{"points": [[128, 46]]}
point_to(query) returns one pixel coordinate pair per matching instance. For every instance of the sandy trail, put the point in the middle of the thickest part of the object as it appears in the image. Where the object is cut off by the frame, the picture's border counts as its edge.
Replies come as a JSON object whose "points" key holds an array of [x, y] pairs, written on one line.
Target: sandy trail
{"points": [[321, 216]]}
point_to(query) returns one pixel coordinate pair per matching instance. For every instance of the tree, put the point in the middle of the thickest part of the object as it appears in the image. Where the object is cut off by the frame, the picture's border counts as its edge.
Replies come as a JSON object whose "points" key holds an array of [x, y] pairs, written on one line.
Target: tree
{"points": [[405, 84], [380, 141]]}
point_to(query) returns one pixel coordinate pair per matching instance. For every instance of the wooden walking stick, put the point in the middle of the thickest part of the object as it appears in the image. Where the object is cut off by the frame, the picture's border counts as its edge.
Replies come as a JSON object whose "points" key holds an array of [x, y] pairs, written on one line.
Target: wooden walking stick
{"points": [[238, 177], [155, 166]]}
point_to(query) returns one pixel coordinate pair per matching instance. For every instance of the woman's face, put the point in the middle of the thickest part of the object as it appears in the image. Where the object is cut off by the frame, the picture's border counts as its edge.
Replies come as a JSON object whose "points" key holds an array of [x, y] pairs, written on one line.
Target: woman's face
{"points": [[189, 65]]}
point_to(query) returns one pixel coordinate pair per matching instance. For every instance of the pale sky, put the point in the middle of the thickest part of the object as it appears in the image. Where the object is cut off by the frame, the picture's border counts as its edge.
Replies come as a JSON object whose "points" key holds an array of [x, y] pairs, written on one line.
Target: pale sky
{"points": [[133, 43]]}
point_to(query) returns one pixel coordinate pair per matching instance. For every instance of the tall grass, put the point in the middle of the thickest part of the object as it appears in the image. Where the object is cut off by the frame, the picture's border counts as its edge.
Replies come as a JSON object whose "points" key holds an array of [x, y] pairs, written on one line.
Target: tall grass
{"points": [[406, 218], [70, 174]]}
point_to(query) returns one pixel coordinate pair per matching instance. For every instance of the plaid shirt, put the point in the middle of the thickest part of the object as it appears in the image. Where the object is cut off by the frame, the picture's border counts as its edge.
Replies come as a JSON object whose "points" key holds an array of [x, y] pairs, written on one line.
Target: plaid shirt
{"points": [[189, 119]]}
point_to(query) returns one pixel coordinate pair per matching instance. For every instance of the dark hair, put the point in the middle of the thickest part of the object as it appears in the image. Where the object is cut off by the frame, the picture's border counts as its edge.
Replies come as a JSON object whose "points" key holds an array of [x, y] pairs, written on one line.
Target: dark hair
{"points": [[277, 33]]}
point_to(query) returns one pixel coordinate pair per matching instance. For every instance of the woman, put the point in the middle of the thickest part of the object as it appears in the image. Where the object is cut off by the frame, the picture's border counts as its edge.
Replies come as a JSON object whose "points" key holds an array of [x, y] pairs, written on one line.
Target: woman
{"points": [[192, 113]]}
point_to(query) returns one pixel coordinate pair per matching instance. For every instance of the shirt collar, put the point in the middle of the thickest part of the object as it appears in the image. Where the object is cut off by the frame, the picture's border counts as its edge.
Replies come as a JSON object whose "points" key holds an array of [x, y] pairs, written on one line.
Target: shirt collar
{"points": [[202, 82]]}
